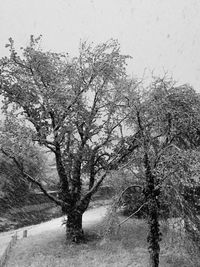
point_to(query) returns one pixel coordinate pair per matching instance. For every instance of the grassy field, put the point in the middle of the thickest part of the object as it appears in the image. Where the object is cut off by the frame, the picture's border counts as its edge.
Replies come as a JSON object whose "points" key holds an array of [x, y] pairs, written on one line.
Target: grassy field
{"points": [[128, 248]]}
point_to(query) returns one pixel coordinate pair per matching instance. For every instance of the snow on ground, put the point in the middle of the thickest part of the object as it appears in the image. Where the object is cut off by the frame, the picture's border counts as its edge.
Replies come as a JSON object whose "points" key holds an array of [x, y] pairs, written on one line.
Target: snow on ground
{"points": [[91, 216]]}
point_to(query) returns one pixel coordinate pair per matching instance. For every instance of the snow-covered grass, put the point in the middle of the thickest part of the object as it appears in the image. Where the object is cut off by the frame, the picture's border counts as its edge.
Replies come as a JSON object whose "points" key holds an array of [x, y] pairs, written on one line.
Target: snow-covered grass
{"points": [[128, 248], [35, 214]]}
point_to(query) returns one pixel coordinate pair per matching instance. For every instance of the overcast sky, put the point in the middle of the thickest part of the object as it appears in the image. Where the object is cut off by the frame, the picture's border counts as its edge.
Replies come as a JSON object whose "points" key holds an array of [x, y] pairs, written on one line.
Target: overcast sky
{"points": [[158, 34]]}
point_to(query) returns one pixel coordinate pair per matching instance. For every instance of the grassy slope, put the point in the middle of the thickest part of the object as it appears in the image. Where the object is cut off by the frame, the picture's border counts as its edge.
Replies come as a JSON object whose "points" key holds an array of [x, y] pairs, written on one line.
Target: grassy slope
{"points": [[128, 248]]}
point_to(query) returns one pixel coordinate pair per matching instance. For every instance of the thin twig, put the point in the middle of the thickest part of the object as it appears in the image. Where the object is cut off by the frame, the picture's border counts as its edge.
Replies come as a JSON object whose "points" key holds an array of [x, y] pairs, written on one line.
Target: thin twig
{"points": [[132, 214]]}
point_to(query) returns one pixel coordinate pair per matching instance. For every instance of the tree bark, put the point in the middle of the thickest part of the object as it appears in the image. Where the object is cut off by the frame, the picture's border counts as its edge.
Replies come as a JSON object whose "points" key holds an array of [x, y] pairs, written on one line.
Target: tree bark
{"points": [[154, 233], [74, 230], [152, 195]]}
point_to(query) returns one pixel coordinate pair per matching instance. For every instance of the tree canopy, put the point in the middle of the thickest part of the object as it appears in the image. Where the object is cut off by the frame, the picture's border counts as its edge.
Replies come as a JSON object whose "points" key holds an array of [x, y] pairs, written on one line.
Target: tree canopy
{"points": [[73, 105]]}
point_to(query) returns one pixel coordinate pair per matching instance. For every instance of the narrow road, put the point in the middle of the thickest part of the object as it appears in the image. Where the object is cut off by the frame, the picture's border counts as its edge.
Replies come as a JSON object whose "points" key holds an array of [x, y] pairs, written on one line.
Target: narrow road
{"points": [[91, 216]]}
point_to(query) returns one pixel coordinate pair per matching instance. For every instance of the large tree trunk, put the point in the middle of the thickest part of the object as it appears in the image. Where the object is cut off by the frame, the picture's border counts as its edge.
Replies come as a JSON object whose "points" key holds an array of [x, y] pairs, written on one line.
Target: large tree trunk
{"points": [[74, 230]]}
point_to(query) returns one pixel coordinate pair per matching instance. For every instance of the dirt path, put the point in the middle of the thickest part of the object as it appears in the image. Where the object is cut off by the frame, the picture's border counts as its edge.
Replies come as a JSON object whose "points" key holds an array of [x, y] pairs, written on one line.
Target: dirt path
{"points": [[91, 216]]}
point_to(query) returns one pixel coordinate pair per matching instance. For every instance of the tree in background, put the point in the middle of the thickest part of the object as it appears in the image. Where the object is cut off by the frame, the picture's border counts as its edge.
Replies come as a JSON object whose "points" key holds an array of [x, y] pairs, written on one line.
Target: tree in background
{"points": [[73, 105]]}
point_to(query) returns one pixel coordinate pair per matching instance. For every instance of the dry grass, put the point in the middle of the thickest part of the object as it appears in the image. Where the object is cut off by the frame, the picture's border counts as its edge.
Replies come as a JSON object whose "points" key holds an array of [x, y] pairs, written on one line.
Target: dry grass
{"points": [[128, 248]]}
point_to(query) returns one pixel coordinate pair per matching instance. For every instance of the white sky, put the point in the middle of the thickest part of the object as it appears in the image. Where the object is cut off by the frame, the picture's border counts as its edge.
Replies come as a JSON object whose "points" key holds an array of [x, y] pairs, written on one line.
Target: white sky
{"points": [[158, 34]]}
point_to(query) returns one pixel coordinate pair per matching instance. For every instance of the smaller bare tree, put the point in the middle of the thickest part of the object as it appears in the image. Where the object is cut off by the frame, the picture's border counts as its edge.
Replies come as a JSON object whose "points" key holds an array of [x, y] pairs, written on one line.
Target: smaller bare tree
{"points": [[165, 122]]}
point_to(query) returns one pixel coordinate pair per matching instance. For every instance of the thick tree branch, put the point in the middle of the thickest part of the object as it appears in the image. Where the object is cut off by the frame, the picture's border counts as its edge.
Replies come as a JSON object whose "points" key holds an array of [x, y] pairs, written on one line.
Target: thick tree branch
{"points": [[54, 199], [128, 187], [93, 189], [30, 178], [61, 169]]}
